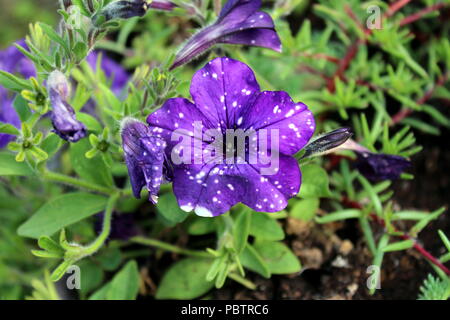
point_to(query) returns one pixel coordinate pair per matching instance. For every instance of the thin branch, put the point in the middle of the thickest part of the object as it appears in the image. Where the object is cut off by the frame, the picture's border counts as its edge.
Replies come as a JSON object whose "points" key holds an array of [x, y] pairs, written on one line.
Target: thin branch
{"points": [[416, 16], [421, 250], [402, 114]]}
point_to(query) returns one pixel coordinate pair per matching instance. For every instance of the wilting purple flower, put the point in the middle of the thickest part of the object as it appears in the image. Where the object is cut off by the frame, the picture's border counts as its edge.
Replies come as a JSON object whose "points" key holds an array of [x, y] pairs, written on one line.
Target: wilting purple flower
{"points": [[12, 61], [327, 142], [239, 22], [63, 117], [377, 167], [227, 97], [144, 156], [123, 226], [113, 71]]}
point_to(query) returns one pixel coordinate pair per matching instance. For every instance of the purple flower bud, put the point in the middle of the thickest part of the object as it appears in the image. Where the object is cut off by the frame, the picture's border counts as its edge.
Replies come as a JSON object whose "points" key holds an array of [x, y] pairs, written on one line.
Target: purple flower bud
{"points": [[144, 156], [377, 167], [122, 10], [63, 117], [239, 22], [327, 142]]}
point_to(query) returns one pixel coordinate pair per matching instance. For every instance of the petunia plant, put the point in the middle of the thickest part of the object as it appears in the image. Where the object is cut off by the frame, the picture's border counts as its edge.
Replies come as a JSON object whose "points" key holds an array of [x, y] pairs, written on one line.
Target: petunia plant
{"points": [[214, 131]]}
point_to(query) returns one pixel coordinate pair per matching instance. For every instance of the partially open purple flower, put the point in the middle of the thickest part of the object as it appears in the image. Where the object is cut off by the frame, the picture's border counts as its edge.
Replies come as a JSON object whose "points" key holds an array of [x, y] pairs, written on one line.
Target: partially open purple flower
{"points": [[144, 156], [378, 167], [228, 99], [63, 117], [239, 22]]}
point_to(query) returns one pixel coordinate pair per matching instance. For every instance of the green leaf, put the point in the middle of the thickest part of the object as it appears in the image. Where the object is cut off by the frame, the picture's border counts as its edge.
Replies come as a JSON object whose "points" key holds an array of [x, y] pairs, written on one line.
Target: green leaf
{"points": [[186, 279], [125, 284], [110, 258], [10, 167], [11, 82], [60, 212], [398, 246], [53, 35], [340, 215], [93, 170], [305, 209], [314, 182], [22, 108], [8, 129], [200, 226], [241, 229], [278, 257], [252, 260], [51, 144], [92, 276], [264, 227], [50, 245], [89, 121], [168, 207]]}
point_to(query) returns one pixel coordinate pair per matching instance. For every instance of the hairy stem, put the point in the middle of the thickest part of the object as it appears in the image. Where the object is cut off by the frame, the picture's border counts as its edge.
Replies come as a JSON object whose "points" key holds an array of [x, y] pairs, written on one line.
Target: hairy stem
{"points": [[106, 228]]}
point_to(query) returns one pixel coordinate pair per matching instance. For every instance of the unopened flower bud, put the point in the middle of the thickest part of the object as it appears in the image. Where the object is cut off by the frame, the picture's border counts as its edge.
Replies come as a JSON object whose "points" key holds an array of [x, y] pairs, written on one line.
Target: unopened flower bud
{"points": [[328, 142]]}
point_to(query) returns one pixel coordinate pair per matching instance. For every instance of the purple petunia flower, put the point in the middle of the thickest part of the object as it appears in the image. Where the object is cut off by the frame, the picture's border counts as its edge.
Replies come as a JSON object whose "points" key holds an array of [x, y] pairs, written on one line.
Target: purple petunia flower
{"points": [[227, 98], [7, 115], [63, 117], [144, 156], [239, 22], [378, 167], [12, 61]]}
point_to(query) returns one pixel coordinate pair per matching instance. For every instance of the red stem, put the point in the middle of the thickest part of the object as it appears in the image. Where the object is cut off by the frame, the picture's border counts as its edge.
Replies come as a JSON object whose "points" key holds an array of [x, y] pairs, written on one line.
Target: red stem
{"points": [[424, 253], [393, 8], [416, 16], [402, 114]]}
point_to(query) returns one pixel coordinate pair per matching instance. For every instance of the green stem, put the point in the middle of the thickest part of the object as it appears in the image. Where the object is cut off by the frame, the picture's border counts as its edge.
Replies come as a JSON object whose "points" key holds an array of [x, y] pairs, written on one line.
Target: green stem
{"points": [[246, 283], [168, 247], [61, 178], [106, 229]]}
